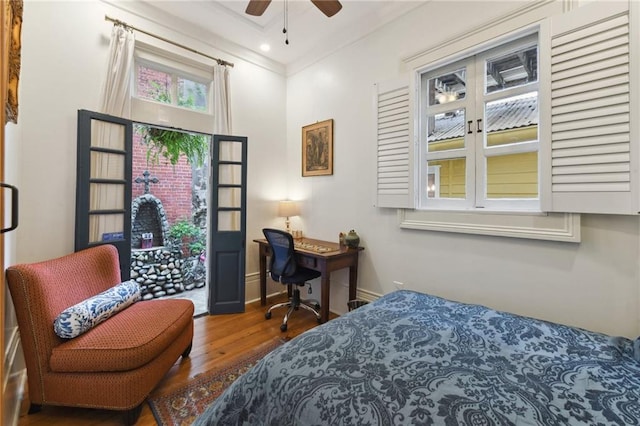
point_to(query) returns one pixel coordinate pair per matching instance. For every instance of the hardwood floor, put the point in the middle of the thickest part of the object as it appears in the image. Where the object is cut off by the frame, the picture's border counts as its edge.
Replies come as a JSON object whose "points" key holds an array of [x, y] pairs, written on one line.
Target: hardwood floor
{"points": [[217, 339]]}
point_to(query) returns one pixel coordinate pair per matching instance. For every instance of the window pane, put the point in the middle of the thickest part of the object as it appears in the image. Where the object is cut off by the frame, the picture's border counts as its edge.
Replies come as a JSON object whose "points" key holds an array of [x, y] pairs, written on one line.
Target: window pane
{"points": [[230, 151], [512, 70], [513, 176], [229, 197], [512, 120], [446, 178], [106, 227], [228, 220], [446, 131], [107, 135], [192, 94], [447, 87], [153, 85], [107, 166], [229, 174], [106, 196]]}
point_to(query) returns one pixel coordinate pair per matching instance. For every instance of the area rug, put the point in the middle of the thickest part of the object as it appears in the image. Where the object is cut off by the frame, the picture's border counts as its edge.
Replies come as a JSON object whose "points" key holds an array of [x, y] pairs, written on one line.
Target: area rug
{"points": [[182, 406]]}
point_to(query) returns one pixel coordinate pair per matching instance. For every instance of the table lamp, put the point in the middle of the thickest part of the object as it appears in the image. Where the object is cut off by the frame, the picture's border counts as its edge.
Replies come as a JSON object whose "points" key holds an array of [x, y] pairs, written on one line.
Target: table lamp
{"points": [[287, 209]]}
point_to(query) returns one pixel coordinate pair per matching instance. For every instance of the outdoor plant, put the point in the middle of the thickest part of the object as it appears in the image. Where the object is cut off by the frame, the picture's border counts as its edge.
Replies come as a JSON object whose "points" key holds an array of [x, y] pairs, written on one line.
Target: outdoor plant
{"points": [[170, 145], [187, 237]]}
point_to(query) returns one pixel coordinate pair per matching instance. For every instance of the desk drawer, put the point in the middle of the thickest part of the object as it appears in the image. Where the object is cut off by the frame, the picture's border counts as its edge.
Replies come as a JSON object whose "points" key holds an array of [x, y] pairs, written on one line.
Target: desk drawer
{"points": [[307, 261]]}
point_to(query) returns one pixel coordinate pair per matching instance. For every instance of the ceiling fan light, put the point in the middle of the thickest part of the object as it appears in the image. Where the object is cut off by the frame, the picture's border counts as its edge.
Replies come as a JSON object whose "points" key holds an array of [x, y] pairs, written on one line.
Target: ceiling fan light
{"points": [[328, 7], [257, 7]]}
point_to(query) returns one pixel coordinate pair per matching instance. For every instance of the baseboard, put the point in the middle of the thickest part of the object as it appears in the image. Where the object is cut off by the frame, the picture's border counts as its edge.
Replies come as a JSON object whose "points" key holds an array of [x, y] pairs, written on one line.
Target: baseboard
{"points": [[252, 288], [15, 379], [367, 295], [252, 291]]}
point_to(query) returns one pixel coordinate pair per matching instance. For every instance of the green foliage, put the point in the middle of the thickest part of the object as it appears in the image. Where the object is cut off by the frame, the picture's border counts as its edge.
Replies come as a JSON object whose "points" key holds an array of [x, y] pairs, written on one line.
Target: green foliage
{"points": [[170, 145], [189, 102], [183, 228], [184, 234], [159, 93]]}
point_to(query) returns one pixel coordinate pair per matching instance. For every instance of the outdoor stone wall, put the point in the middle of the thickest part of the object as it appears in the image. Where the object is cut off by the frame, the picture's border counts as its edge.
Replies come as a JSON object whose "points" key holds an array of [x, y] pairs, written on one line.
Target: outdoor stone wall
{"points": [[159, 272], [148, 215]]}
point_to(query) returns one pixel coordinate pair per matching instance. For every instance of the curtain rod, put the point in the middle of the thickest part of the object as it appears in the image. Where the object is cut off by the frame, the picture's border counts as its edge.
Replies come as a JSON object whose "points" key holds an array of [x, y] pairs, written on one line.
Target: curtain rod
{"points": [[124, 24]]}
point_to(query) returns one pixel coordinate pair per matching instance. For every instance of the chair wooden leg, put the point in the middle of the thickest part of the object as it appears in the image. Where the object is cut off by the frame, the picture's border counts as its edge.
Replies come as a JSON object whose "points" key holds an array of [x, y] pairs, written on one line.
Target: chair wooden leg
{"points": [[34, 408], [130, 417], [187, 351]]}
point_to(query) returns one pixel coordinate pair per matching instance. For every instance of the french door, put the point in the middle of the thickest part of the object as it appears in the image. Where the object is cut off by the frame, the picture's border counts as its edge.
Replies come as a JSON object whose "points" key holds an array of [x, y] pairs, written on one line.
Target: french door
{"points": [[228, 224], [103, 187], [103, 202]]}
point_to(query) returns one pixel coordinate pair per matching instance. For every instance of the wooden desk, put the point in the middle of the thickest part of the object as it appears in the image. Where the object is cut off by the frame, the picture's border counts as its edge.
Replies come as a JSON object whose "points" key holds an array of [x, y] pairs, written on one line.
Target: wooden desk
{"points": [[325, 263]]}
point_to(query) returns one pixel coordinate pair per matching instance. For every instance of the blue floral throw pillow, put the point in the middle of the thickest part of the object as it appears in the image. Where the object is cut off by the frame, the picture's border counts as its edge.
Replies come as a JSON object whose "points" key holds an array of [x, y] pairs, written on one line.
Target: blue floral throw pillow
{"points": [[81, 317]]}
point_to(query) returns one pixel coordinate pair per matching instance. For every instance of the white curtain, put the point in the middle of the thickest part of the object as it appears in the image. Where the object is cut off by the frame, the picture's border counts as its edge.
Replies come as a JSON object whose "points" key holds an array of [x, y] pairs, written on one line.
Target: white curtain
{"points": [[221, 100], [116, 91], [115, 100], [229, 151]]}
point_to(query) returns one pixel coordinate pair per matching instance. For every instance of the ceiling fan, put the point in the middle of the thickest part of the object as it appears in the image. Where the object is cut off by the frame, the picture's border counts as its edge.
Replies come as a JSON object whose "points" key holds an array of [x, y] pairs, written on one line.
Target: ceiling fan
{"points": [[328, 7]]}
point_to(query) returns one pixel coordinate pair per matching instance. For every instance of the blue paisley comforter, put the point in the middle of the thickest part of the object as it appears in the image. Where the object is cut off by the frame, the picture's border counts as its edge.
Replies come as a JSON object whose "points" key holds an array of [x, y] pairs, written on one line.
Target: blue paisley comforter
{"points": [[414, 359]]}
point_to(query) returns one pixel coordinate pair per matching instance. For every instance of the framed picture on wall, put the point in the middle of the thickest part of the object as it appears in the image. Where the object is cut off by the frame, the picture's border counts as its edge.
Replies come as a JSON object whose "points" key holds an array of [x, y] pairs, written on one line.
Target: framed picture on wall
{"points": [[11, 46], [317, 149]]}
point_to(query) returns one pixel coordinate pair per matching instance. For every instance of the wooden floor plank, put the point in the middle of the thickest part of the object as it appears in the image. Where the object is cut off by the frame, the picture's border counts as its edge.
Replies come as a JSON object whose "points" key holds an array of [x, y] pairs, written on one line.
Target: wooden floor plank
{"points": [[218, 339]]}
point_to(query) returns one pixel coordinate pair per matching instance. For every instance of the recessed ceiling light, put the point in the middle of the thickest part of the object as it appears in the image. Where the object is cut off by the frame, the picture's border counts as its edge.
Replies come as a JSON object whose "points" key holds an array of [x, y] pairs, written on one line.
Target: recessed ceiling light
{"points": [[265, 47]]}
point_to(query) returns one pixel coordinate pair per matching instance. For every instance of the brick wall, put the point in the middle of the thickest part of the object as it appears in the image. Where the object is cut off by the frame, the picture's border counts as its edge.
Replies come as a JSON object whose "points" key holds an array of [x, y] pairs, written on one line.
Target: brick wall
{"points": [[174, 182], [174, 186]]}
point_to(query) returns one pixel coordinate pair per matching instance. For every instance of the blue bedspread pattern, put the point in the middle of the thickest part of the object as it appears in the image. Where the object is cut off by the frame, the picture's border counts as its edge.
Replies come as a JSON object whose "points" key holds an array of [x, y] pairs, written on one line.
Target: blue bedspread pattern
{"points": [[414, 359]]}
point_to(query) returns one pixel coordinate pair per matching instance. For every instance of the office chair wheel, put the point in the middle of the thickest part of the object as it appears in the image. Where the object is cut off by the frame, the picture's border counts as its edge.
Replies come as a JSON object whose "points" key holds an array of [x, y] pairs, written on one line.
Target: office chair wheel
{"points": [[283, 327], [267, 315]]}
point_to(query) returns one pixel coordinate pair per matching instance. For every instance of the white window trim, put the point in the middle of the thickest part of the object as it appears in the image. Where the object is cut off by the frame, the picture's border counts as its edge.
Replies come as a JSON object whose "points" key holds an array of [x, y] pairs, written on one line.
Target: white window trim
{"points": [[539, 226], [435, 171], [151, 112], [474, 152]]}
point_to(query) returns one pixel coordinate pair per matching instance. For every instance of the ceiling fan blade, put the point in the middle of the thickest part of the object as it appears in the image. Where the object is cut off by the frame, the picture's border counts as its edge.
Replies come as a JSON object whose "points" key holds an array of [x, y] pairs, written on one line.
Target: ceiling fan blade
{"points": [[257, 7], [328, 7]]}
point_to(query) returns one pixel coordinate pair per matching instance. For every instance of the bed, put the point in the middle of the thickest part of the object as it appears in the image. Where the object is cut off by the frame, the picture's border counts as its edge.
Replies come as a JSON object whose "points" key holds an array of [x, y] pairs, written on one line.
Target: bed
{"points": [[414, 359]]}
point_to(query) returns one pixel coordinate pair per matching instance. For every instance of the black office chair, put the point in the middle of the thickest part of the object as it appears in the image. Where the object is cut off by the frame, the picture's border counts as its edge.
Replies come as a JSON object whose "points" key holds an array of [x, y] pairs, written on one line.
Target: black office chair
{"points": [[286, 270]]}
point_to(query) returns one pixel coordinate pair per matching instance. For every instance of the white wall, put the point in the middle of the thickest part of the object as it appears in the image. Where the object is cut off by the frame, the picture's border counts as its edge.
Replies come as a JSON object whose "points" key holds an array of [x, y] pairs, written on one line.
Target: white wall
{"points": [[593, 284], [64, 55]]}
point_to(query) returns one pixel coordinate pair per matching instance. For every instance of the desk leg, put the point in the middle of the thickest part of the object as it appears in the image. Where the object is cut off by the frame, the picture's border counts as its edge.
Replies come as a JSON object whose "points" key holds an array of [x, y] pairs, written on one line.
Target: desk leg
{"points": [[353, 279], [324, 303], [263, 279]]}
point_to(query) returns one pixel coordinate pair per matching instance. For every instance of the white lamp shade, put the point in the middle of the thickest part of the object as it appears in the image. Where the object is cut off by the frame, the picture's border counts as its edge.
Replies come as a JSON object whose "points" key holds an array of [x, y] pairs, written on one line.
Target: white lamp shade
{"points": [[288, 208]]}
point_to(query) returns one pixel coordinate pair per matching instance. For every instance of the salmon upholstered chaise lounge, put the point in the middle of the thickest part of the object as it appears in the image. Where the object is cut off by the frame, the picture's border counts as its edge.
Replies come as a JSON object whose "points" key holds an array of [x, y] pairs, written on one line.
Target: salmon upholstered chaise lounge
{"points": [[112, 363]]}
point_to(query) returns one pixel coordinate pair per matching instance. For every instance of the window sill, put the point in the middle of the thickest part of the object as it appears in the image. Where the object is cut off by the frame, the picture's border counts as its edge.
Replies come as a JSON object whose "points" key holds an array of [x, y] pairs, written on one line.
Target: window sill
{"points": [[538, 226]]}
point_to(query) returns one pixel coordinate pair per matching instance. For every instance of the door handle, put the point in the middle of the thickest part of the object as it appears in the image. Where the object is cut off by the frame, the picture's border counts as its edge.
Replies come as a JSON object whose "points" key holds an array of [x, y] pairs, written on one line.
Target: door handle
{"points": [[14, 207], [479, 122], [469, 131]]}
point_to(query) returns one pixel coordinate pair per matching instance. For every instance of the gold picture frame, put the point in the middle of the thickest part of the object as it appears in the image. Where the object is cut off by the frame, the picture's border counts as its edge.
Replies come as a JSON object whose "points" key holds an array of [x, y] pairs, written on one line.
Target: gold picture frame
{"points": [[317, 149], [11, 41]]}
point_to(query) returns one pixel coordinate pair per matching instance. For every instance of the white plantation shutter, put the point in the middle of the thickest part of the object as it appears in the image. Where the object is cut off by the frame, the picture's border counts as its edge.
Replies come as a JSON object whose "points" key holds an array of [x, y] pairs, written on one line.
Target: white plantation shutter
{"points": [[593, 168], [394, 170]]}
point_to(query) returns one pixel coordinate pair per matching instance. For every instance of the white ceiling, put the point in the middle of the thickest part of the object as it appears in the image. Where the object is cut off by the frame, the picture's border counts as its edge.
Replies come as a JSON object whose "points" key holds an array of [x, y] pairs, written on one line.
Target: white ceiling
{"points": [[312, 35]]}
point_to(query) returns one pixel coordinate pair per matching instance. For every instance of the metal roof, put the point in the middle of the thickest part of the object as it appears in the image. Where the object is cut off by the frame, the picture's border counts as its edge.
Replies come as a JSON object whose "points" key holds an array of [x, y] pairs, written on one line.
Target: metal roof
{"points": [[501, 115]]}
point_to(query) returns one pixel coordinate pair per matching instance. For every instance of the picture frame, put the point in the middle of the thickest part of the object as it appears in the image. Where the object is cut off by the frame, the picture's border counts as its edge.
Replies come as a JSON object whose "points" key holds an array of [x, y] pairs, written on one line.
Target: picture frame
{"points": [[11, 46], [317, 149]]}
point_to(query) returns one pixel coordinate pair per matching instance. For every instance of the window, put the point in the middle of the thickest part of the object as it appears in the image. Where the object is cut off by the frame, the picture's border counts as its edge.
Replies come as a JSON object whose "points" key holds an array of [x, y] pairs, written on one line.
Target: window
{"points": [[584, 138], [171, 87], [479, 131], [172, 91]]}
